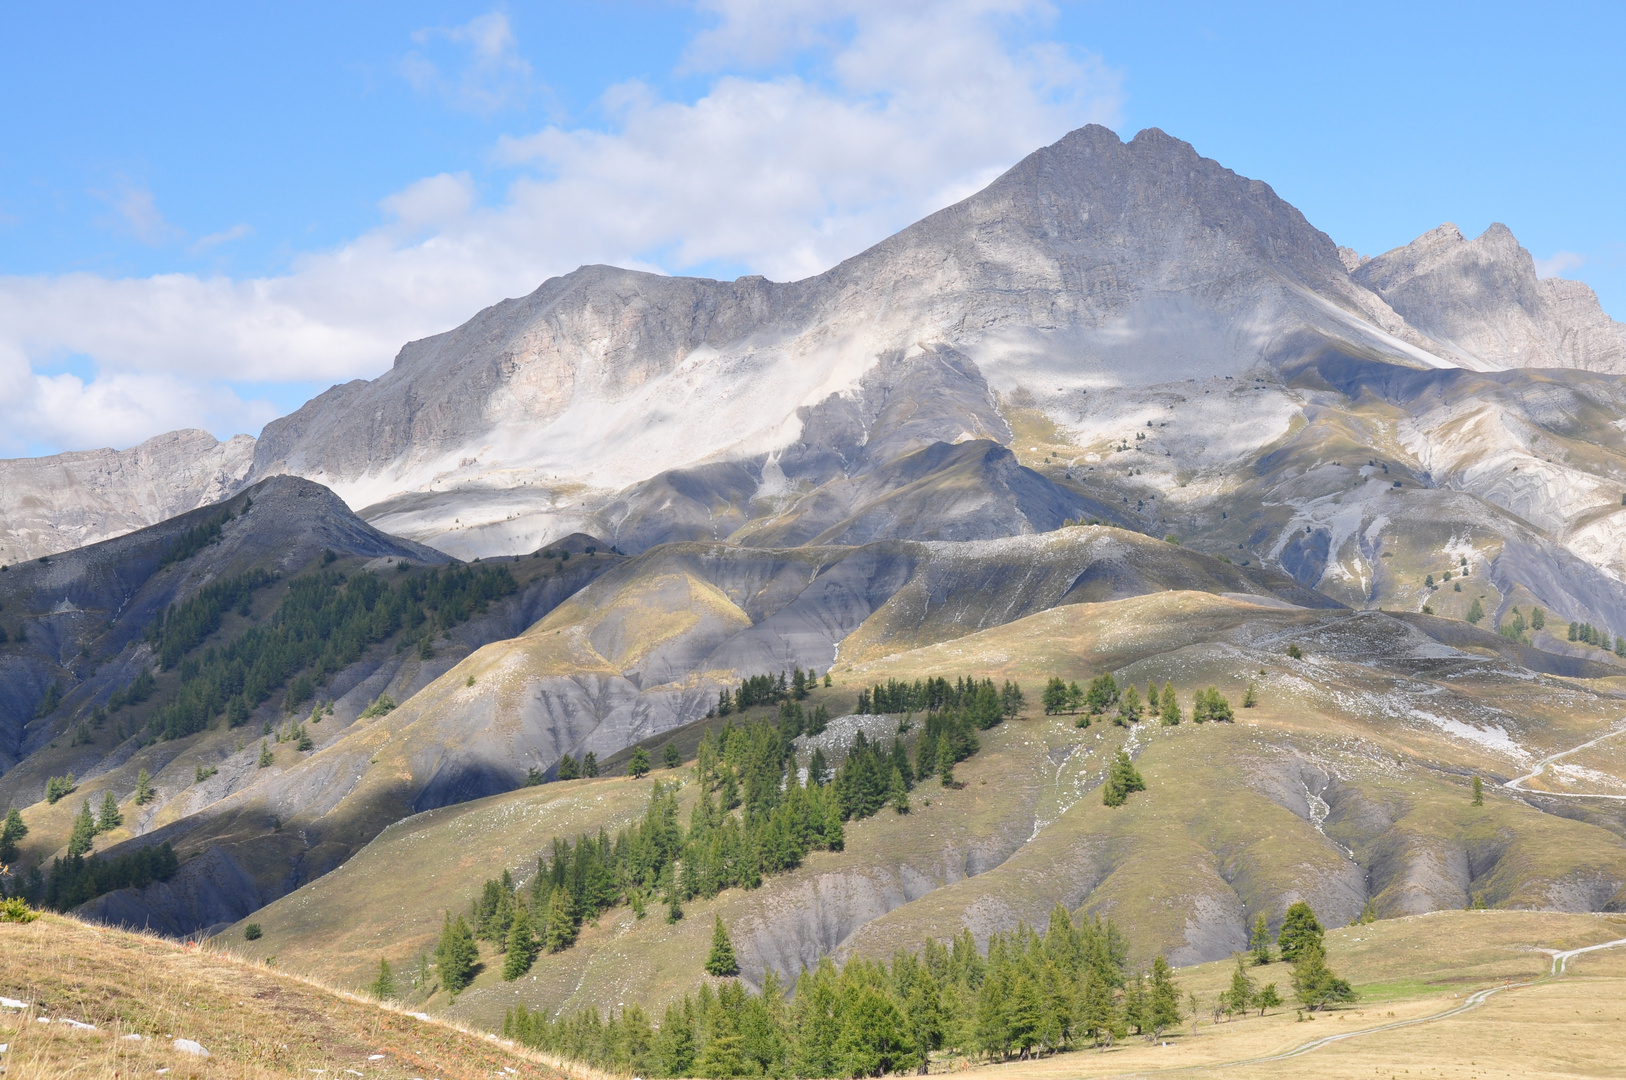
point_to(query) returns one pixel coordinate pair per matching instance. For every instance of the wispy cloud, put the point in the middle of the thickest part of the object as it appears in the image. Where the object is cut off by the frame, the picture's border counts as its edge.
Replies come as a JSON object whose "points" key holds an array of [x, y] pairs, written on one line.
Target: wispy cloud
{"points": [[1558, 262], [213, 240], [138, 213], [492, 74], [896, 112]]}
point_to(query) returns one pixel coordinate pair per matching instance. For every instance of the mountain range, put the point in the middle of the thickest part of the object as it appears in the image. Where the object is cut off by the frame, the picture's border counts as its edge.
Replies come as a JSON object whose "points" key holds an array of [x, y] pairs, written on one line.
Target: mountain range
{"points": [[1121, 411]]}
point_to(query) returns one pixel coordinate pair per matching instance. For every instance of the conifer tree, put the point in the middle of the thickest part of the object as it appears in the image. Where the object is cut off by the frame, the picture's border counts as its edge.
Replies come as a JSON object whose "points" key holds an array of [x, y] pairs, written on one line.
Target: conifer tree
{"points": [[1267, 998], [945, 760], [522, 946], [144, 793], [590, 764], [383, 987], [1128, 707], [1239, 997], [1250, 697], [84, 831], [569, 768], [1479, 792], [1171, 705], [638, 766], [1164, 1003], [1122, 779], [456, 955], [671, 756], [561, 925], [12, 831], [1299, 928], [266, 759], [110, 818], [721, 961], [1314, 983], [1475, 611], [1259, 941], [818, 767]]}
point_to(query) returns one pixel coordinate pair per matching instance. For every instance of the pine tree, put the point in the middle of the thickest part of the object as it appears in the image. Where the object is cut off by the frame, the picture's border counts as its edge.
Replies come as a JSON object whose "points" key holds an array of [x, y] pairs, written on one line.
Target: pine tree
{"points": [[1250, 697], [721, 961], [569, 768], [590, 764], [456, 955], [1171, 706], [1122, 779], [144, 793], [671, 756], [12, 831], [561, 926], [638, 766], [1299, 928], [522, 946], [110, 818], [1128, 707], [1475, 612], [1164, 1004], [84, 831], [1259, 942], [383, 987], [266, 759], [1314, 983], [1239, 997], [1479, 792]]}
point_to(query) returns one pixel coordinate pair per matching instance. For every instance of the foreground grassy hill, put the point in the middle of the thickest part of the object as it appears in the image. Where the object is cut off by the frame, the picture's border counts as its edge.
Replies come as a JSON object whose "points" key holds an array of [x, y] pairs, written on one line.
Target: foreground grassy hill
{"points": [[1421, 981], [141, 993]]}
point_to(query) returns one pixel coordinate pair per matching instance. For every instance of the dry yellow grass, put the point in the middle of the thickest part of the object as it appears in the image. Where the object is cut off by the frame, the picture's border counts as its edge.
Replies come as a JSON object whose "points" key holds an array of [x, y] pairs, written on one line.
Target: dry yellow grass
{"points": [[256, 1023]]}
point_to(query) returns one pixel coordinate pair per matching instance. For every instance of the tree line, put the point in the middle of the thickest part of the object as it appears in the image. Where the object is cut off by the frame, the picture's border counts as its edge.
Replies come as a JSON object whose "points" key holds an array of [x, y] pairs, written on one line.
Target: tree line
{"points": [[1126, 706]]}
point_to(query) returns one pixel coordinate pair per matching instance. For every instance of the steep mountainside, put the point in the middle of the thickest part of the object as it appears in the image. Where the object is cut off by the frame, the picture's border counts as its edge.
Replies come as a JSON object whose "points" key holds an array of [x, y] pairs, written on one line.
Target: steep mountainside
{"points": [[1482, 300], [51, 504]]}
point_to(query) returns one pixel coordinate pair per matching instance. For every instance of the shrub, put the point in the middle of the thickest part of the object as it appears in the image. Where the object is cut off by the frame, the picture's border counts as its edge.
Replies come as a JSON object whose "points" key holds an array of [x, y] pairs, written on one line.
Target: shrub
{"points": [[252, 932], [17, 910]]}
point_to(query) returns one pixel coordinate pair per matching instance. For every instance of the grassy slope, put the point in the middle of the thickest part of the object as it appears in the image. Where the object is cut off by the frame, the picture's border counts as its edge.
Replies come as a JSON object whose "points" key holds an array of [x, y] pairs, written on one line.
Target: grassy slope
{"points": [[1226, 830], [256, 1023]]}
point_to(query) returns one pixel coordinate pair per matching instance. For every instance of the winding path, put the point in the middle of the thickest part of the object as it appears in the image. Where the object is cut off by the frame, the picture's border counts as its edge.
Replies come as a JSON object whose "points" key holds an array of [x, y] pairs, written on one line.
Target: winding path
{"points": [[1516, 784], [1560, 963]]}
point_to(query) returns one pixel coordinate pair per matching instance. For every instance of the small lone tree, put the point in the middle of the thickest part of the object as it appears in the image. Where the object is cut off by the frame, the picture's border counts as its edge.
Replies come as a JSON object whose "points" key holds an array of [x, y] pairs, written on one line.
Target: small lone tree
{"points": [[1250, 697], [1163, 1006], [110, 818], [1299, 929], [638, 767], [1475, 612], [383, 987], [1122, 778], [12, 831], [1259, 941], [84, 831], [721, 961], [1267, 998], [1314, 983], [590, 764], [1479, 792], [671, 756], [1239, 997], [266, 758], [144, 793]]}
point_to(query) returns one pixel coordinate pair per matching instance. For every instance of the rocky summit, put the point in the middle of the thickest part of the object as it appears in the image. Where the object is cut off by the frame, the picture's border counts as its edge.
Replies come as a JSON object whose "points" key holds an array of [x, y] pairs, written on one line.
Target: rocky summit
{"points": [[1110, 543]]}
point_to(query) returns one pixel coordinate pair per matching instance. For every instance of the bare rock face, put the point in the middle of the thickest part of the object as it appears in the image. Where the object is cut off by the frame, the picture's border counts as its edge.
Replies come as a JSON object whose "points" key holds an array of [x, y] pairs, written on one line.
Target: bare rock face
{"points": [[1481, 299], [52, 504]]}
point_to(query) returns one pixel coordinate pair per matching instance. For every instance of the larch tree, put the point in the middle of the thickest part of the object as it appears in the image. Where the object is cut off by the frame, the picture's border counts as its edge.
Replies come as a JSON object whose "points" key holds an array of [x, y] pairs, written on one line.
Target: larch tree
{"points": [[721, 961], [1259, 940], [110, 818], [1299, 928]]}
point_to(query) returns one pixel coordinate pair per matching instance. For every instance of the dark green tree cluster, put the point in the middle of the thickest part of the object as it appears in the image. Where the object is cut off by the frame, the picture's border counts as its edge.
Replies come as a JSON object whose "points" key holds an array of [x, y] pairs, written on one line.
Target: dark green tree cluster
{"points": [[11, 831], [1032, 994], [76, 879], [1210, 704], [322, 626], [766, 690], [48, 704], [56, 787], [1588, 634], [571, 768], [985, 703], [180, 629], [195, 539]]}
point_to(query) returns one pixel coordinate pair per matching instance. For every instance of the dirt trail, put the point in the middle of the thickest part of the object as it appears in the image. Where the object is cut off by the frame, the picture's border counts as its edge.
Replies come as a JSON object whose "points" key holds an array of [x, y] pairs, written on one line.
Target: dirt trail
{"points": [[1560, 962], [1517, 783]]}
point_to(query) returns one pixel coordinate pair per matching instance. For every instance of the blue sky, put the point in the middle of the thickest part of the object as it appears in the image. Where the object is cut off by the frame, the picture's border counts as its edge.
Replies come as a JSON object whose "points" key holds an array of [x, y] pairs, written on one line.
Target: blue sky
{"points": [[209, 212]]}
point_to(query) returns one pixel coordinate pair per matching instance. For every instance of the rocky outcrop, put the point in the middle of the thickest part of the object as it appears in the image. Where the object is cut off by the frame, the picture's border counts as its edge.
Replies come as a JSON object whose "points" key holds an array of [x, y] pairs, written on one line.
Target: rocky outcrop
{"points": [[1482, 301], [51, 504]]}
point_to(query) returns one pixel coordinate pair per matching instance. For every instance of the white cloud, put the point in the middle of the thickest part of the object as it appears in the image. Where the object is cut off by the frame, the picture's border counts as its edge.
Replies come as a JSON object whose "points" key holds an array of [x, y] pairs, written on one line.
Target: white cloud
{"points": [[494, 75], [1558, 262], [903, 111]]}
